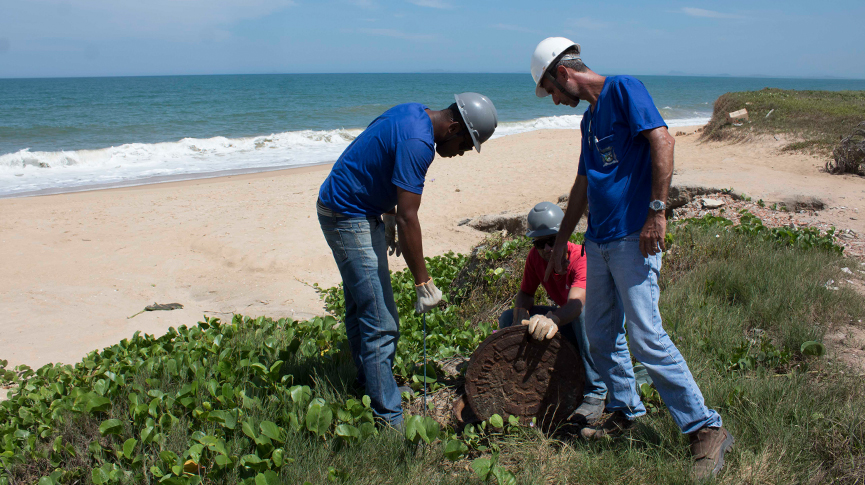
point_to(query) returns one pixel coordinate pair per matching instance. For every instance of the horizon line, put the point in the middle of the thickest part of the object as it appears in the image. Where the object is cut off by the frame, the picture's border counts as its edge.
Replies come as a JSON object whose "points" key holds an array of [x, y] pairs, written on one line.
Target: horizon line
{"points": [[750, 76]]}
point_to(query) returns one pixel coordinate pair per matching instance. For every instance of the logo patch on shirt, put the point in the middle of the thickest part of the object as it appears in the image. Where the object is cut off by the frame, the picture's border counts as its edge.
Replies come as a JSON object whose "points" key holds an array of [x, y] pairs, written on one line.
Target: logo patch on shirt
{"points": [[609, 156]]}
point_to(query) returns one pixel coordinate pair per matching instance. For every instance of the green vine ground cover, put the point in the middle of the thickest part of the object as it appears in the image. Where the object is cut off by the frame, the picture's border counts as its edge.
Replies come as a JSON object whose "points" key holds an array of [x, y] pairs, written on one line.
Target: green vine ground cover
{"points": [[264, 401]]}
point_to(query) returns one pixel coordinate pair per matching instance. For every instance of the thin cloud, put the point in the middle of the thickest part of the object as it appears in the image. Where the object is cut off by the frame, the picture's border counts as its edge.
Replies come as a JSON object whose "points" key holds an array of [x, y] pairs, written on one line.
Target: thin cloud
{"points": [[369, 4], [430, 3], [516, 28], [397, 34], [587, 23], [171, 19], [699, 12]]}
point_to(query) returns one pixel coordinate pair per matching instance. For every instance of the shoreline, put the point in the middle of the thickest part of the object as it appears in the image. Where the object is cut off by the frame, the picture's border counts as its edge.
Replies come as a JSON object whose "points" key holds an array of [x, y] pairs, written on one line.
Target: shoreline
{"points": [[78, 264], [163, 179]]}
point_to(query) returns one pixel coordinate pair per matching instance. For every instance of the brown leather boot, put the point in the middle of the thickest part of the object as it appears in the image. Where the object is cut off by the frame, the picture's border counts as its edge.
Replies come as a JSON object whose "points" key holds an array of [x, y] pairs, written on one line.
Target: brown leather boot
{"points": [[708, 446]]}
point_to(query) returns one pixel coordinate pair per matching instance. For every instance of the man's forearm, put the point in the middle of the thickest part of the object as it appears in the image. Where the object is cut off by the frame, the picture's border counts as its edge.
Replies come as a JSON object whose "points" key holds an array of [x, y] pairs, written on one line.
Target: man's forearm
{"points": [[411, 245], [570, 312], [576, 207], [524, 300], [662, 164]]}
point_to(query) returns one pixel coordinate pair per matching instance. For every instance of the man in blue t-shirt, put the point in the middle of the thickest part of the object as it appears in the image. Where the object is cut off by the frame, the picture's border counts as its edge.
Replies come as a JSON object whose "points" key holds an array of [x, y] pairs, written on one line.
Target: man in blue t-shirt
{"points": [[374, 188], [625, 169]]}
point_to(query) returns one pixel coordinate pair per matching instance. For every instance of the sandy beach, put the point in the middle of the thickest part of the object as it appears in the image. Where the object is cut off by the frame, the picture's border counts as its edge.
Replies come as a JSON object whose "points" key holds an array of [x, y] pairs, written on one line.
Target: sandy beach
{"points": [[75, 266]]}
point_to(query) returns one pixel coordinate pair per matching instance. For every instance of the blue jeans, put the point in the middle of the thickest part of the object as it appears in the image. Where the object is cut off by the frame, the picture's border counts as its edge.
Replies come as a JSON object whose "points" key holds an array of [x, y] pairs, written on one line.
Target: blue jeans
{"points": [[371, 318], [622, 285], [575, 332]]}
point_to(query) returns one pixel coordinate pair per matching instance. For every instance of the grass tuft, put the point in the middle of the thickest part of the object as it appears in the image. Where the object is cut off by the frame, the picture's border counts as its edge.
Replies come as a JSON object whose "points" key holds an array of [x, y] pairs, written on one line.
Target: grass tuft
{"points": [[817, 120]]}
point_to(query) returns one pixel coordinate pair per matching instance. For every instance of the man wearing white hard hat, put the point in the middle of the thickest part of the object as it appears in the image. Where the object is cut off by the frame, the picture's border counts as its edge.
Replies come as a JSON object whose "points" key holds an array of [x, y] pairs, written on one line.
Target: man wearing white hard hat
{"points": [[374, 188], [624, 173]]}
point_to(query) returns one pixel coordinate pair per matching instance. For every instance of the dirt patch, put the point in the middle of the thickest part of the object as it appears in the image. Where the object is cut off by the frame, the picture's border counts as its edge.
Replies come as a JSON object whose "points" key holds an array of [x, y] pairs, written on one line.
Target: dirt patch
{"points": [[803, 203], [847, 343], [512, 222], [439, 405]]}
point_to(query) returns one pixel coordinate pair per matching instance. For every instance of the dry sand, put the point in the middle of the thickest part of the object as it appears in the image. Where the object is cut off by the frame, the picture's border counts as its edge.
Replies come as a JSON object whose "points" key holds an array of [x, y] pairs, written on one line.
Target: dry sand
{"points": [[75, 266]]}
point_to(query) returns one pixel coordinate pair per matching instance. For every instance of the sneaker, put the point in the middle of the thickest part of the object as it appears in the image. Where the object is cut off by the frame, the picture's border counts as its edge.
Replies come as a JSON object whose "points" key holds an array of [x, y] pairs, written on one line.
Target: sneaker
{"points": [[708, 446], [613, 426], [590, 410]]}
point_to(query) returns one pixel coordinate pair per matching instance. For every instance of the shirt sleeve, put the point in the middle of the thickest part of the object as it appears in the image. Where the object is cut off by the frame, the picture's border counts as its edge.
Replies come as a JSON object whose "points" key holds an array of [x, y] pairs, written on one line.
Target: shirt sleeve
{"points": [[638, 105], [530, 278], [577, 269], [413, 158]]}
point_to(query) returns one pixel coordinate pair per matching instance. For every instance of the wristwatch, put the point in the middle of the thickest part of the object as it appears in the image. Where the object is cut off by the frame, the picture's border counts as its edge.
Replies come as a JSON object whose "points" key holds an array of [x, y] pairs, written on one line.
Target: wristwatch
{"points": [[657, 205]]}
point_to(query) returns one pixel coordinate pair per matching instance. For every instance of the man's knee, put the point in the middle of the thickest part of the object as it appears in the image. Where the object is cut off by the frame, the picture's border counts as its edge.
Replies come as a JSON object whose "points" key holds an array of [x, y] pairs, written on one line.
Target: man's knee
{"points": [[506, 319]]}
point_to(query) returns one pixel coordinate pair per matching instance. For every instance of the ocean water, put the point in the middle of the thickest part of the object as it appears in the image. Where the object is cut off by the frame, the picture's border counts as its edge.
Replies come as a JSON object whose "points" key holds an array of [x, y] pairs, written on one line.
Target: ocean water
{"points": [[59, 135]]}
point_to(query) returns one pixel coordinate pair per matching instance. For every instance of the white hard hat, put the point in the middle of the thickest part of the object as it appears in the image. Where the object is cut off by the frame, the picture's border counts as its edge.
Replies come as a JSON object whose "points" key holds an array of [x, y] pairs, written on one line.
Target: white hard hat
{"points": [[548, 51]]}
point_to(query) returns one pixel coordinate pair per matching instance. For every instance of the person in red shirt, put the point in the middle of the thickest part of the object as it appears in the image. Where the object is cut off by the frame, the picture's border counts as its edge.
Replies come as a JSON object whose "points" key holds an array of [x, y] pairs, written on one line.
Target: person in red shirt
{"points": [[568, 291]]}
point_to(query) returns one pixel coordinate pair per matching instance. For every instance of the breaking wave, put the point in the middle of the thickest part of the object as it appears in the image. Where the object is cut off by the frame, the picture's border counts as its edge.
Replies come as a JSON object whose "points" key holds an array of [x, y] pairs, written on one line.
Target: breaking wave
{"points": [[25, 172]]}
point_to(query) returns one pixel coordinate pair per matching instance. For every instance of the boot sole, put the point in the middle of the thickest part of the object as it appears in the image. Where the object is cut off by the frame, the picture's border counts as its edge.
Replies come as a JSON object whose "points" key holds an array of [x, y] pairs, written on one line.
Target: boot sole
{"points": [[726, 446]]}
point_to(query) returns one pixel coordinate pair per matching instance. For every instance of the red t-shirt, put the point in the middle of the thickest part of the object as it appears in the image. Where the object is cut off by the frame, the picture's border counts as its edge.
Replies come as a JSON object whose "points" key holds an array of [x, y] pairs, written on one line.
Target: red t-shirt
{"points": [[558, 285]]}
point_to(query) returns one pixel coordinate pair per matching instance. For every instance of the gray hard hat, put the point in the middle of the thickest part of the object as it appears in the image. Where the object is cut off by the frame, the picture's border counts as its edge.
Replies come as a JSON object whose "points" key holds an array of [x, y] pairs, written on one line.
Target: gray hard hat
{"points": [[479, 116], [545, 219]]}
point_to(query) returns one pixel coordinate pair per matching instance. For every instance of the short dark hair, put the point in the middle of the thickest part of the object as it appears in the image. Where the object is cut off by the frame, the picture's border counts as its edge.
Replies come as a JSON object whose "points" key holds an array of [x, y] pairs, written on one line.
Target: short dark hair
{"points": [[570, 59], [455, 114]]}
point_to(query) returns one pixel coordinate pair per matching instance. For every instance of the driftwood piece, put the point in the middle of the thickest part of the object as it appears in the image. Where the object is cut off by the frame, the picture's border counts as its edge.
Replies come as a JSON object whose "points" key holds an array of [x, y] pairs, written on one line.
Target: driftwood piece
{"points": [[158, 307]]}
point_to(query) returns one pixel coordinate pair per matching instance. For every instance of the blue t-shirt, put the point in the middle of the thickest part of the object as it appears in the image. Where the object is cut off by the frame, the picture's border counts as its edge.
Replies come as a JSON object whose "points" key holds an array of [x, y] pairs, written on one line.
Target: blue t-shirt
{"points": [[395, 150], [617, 160]]}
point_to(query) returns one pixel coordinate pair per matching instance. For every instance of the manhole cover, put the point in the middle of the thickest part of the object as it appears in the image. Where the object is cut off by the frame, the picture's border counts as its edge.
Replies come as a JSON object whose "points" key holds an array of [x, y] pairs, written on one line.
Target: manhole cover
{"points": [[511, 374]]}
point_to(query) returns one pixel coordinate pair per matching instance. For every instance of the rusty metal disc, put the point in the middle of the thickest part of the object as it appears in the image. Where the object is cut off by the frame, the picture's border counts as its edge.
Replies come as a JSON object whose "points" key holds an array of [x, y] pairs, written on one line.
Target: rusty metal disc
{"points": [[512, 374]]}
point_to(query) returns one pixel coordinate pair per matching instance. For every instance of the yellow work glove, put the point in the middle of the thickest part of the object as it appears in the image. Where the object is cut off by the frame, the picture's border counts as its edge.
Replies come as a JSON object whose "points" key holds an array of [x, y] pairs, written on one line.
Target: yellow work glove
{"points": [[542, 327], [428, 296], [390, 234]]}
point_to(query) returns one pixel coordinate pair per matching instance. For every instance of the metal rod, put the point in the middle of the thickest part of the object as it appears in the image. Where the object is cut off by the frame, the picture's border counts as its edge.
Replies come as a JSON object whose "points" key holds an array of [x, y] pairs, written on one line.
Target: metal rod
{"points": [[424, 365]]}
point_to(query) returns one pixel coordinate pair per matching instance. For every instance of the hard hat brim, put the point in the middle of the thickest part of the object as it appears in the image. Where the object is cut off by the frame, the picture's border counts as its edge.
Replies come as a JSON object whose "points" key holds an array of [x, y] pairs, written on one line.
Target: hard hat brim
{"points": [[541, 232], [539, 91], [472, 133]]}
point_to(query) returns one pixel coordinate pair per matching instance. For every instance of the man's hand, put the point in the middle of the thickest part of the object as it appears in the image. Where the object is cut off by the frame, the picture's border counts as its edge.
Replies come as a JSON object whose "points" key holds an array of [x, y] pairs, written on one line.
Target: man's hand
{"points": [[652, 235], [558, 261], [390, 234], [520, 314], [541, 327], [428, 296]]}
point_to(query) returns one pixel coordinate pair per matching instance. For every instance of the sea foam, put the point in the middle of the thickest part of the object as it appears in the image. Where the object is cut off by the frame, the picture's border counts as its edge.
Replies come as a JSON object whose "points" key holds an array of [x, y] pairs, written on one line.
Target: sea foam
{"points": [[25, 172]]}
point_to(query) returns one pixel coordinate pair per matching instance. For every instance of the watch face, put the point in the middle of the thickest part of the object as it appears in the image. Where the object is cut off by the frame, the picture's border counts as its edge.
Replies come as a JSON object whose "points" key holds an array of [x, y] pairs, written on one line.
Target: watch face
{"points": [[656, 205]]}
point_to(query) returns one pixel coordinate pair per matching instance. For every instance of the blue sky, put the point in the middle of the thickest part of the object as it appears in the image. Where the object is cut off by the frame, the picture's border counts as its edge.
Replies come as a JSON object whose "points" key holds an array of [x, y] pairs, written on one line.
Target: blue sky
{"points": [[49, 38]]}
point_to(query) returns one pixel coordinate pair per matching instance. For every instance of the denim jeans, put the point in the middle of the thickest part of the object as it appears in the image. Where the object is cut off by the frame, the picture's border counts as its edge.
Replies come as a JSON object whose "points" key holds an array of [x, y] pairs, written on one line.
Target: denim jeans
{"points": [[371, 318], [575, 332], [622, 285]]}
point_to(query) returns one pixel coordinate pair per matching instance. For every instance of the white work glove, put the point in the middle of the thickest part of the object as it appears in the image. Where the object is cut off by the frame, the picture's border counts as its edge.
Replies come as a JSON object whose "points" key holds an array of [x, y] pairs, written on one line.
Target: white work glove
{"points": [[520, 314], [428, 296], [390, 234], [542, 327]]}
